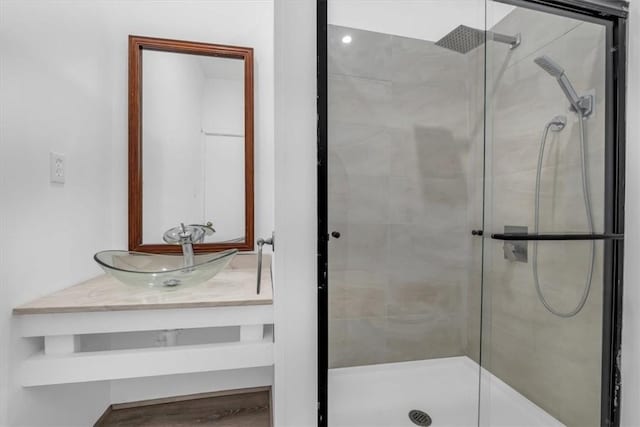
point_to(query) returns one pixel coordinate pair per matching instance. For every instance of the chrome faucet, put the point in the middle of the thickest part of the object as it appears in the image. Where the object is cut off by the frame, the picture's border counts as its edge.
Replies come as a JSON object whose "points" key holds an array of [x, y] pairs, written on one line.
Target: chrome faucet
{"points": [[186, 236]]}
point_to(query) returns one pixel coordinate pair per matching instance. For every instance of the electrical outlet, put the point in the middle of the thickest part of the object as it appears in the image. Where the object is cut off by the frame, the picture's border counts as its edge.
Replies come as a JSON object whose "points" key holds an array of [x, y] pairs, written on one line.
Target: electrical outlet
{"points": [[56, 167]]}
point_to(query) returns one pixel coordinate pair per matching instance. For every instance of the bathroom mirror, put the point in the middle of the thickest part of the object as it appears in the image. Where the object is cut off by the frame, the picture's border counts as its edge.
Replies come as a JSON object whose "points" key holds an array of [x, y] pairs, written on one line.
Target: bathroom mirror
{"points": [[190, 143]]}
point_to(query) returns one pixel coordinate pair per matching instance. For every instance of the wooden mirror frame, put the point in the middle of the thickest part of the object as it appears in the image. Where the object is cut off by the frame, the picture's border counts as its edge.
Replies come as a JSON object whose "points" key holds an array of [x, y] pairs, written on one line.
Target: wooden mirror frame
{"points": [[136, 45]]}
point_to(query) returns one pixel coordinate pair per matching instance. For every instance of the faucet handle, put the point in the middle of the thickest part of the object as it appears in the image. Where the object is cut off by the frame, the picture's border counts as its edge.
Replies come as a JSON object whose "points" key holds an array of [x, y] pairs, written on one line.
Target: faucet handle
{"points": [[261, 242], [193, 233], [201, 231], [207, 228], [184, 232], [268, 241]]}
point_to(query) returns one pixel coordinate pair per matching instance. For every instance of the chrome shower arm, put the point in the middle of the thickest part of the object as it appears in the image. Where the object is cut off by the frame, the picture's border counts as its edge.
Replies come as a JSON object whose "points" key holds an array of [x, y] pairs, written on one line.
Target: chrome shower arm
{"points": [[512, 41]]}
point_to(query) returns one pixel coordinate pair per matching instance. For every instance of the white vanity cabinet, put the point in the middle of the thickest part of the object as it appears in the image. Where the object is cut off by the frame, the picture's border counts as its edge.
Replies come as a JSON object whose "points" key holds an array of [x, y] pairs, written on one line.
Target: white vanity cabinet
{"points": [[111, 309]]}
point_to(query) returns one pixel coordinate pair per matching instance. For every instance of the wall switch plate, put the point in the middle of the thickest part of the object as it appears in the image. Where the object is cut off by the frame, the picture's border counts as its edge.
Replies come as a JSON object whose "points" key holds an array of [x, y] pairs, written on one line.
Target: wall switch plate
{"points": [[57, 168]]}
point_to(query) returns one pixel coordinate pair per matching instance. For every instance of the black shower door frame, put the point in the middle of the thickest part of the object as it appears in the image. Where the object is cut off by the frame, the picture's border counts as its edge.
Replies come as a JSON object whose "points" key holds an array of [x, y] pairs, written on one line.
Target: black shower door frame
{"points": [[613, 15]]}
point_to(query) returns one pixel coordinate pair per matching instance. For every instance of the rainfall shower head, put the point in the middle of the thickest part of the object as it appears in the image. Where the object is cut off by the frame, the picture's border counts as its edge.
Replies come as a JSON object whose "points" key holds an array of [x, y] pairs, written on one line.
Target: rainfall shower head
{"points": [[463, 39], [580, 104]]}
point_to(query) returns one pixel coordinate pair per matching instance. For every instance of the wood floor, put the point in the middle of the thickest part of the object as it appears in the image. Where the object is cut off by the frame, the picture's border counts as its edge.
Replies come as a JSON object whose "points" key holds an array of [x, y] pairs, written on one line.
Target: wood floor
{"points": [[250, 409]]}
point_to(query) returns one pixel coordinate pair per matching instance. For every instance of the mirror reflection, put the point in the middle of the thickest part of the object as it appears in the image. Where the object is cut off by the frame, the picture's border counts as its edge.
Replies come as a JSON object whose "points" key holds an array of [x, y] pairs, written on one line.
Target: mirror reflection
{"points": [[193, 162]]}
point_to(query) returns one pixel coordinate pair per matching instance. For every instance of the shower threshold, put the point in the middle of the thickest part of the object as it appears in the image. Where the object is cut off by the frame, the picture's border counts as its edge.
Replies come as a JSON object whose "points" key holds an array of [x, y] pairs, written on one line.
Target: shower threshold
{"points": [[446, 388]]}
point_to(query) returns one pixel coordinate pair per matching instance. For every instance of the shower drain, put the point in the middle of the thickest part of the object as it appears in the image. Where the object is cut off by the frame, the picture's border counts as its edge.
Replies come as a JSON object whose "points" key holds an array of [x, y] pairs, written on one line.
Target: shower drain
{"points": [[419, 418]]}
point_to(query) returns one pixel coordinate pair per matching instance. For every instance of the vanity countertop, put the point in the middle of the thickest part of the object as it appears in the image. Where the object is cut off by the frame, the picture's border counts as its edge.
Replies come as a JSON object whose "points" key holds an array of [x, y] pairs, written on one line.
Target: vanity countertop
{"points": [[234, 286]]}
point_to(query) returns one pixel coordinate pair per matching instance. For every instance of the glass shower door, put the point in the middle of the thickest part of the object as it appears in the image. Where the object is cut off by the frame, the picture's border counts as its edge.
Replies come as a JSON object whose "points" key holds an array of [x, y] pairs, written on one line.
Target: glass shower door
{"points": [[545, 215], [405, 86]]}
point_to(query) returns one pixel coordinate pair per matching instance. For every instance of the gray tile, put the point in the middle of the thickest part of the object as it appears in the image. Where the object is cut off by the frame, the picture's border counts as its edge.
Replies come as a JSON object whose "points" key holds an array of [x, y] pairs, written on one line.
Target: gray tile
{"points": [[423, 152], [418, 252], [367, 200], [357, 294], [436, 297], [360, 247], [422, 337], [359, 150], [419, 62], [368, 55], [561, 200], [359, 101], [354, 302], [439, 204], [354, 342], [344, 133], [429, 107], [338, 205], [537, 29]]}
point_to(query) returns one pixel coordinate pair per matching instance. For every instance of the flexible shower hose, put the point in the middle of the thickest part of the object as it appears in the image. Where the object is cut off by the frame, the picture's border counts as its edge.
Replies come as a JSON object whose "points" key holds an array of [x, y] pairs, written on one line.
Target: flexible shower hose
{"points": [[587, 204]]}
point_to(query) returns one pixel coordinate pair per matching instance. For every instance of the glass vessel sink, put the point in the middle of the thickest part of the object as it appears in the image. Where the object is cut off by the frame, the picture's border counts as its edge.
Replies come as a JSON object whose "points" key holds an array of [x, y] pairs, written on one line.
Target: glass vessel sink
{"points": [[162, 271]]}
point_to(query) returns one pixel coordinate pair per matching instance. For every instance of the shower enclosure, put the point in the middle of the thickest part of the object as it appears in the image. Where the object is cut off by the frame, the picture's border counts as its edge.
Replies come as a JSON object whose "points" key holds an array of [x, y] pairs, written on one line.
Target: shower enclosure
{"points": [[470, 212]]}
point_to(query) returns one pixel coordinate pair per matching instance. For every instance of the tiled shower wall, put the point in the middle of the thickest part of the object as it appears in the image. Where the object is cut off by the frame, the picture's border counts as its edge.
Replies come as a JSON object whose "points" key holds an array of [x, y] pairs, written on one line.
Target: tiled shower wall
{"points": [[398, 160]]}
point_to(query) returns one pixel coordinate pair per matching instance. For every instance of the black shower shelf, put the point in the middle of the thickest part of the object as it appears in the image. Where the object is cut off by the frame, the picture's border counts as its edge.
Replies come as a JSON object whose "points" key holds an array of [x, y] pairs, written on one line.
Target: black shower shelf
{"points": [[556, 236]]}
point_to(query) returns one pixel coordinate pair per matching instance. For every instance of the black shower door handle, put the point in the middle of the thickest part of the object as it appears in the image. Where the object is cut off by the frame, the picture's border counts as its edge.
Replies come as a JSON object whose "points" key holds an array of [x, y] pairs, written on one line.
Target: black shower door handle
{"points": [[570, 236]]}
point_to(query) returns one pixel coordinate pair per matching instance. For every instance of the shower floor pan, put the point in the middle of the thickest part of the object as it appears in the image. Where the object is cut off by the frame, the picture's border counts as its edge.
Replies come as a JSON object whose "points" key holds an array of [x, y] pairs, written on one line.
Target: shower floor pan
{"points": [[446, 389]]}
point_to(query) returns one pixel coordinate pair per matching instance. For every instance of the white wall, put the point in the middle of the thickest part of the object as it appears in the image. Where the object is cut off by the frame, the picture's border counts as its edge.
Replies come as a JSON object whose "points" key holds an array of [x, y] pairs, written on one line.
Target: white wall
{"points": [[223, 113], [53, 97], [63, 87], [224, 104], [172, 99], [224, 182], [295, 216], [631, 298]]}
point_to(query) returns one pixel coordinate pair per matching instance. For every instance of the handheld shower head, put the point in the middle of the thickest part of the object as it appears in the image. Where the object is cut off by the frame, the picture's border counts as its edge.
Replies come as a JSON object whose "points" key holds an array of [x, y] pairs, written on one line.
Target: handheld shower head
{"points": [[549, 66], [582, 105]]}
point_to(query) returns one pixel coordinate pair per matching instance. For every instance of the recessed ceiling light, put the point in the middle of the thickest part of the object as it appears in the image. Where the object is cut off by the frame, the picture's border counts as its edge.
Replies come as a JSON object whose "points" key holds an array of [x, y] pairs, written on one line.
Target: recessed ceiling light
{"points": [[346, 39]]}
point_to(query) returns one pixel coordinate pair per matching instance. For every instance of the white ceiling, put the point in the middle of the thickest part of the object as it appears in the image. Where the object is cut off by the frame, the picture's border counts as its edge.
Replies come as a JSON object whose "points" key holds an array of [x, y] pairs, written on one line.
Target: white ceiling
{"points": [[419, 19]]}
